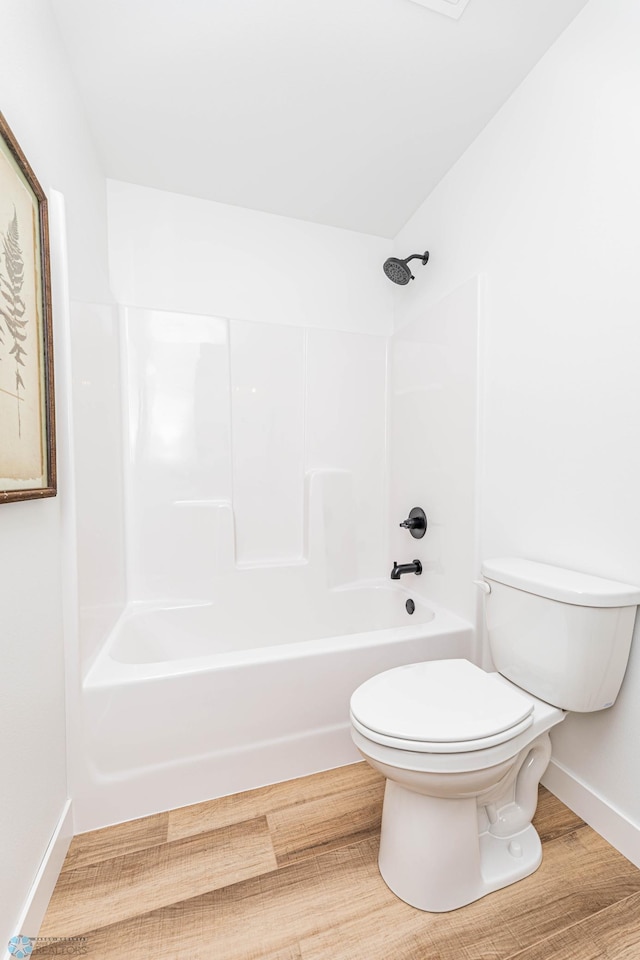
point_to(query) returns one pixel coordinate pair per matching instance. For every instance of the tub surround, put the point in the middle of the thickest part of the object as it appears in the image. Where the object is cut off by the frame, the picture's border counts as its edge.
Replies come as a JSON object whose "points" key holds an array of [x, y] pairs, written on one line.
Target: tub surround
{"points": [[93, 338], [229, 466], [434, 443]]}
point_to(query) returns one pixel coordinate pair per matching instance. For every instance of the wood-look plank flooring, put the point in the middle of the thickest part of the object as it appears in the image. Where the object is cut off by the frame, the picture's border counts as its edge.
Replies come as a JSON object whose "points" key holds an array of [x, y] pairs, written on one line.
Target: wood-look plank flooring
{"points": [[289, 872]]}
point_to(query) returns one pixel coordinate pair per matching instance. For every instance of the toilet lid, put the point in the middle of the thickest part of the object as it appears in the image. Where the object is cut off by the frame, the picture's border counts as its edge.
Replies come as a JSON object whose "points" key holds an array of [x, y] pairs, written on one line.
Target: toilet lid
{"points": [[442, 701]]}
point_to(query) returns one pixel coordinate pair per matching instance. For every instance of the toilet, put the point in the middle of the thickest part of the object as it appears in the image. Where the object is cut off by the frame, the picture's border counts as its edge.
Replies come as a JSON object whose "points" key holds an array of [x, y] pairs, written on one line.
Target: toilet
{"points": [[463, 750]]}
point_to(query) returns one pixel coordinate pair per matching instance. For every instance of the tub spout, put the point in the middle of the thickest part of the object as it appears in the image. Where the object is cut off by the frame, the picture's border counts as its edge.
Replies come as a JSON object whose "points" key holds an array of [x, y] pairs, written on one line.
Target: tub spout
{"points": [[401, 568]]}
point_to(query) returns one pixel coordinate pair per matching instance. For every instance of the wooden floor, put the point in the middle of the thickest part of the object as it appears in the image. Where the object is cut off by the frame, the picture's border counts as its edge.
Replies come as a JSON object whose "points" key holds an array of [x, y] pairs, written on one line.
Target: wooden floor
{"points": [[288, 872]]}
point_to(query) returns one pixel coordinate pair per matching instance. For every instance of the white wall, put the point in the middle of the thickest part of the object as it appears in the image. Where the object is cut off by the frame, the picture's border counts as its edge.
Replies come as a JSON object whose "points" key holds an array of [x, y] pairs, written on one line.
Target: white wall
{"points": [[172, 252], [546, 203], [40, 104]]}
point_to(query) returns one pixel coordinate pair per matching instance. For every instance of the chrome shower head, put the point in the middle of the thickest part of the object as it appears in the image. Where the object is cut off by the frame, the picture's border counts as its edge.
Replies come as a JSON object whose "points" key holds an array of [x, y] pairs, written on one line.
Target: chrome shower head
{"points": [[398, 270]]}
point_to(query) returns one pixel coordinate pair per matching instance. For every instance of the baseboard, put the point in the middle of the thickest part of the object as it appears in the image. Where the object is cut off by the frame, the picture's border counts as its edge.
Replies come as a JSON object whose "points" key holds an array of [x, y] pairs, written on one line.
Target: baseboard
{"points": [[612, 824], [35, 907]]}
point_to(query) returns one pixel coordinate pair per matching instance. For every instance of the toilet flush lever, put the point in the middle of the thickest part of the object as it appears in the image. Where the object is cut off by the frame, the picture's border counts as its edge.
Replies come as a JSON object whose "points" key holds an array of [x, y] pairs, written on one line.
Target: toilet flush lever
{"points": [[483, 585]]}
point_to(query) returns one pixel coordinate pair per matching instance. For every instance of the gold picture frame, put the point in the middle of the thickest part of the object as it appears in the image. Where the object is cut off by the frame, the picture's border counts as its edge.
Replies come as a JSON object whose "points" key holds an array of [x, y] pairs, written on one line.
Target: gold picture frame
{"points": [[27, 413]]}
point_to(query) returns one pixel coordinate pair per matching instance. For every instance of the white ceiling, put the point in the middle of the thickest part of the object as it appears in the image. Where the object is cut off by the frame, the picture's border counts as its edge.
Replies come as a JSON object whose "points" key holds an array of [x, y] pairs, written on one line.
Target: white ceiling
{"points": [[343, 112]]}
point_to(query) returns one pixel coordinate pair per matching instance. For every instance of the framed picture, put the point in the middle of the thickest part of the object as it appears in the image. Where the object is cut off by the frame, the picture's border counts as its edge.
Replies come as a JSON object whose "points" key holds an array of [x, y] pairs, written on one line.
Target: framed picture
{"points": [[27, 417]]}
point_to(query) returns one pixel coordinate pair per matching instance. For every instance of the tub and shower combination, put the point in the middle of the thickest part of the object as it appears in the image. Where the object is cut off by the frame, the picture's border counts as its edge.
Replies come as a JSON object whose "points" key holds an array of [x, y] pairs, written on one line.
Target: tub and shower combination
{"points": [[196, 701], [255, 544]]}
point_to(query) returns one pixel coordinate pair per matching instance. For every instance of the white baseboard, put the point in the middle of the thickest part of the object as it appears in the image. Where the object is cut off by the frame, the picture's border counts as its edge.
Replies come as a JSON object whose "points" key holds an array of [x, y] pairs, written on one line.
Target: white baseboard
{"points": [[610, 823], [35, 907]]}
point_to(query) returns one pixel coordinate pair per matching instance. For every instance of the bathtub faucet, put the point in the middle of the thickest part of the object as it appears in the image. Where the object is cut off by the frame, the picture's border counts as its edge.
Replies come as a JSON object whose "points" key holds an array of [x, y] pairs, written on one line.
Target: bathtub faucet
{"points": [[400, 568]]}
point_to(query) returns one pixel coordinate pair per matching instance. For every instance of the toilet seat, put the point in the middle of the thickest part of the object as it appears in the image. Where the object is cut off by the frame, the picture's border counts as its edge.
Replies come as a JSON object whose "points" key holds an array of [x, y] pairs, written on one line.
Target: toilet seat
{"points": [[441, 706], [431, 746]]}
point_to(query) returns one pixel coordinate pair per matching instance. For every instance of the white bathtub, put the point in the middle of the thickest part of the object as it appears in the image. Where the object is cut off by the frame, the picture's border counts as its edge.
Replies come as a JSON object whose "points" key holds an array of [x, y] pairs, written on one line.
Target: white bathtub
{"points": [[191, 702]]}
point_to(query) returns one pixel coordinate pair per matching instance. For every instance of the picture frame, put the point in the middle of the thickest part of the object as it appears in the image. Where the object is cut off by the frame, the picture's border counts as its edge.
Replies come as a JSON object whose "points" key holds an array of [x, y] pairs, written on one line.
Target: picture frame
{"points": [[27, 408]]}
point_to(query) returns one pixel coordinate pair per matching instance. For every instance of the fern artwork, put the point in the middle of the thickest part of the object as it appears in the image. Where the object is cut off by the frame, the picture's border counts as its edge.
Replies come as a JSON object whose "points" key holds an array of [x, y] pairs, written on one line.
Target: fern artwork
{"points": [[12, 306], [27, 427]]}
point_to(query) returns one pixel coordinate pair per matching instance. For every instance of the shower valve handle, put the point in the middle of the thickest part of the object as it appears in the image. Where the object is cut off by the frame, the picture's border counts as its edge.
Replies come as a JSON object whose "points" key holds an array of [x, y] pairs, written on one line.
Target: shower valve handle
{"points": [[416, 523], [412, 524]]}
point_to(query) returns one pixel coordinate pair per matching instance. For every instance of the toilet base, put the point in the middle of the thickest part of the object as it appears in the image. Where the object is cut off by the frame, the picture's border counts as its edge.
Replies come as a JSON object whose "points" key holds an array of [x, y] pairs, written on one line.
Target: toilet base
{"points": [[433, 857]]}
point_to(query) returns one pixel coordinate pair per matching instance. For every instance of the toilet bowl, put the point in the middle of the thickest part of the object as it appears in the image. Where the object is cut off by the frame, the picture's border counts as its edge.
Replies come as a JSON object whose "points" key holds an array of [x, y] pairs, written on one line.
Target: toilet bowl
{"points": [[463, 750], [457, 812]]}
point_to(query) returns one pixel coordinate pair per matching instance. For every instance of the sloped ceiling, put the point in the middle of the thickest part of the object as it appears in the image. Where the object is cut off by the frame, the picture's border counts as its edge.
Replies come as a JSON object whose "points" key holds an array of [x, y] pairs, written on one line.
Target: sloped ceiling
{"points": [[342, 112]]}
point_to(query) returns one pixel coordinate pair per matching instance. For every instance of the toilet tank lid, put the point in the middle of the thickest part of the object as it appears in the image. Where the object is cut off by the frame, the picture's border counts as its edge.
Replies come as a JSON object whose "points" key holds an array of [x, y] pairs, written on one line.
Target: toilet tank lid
{"points": [[556, 583]]}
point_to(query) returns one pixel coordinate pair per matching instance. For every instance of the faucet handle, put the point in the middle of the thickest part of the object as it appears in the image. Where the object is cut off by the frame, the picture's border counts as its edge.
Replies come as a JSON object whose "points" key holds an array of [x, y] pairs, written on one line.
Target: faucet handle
{"points": [[416, 523]]}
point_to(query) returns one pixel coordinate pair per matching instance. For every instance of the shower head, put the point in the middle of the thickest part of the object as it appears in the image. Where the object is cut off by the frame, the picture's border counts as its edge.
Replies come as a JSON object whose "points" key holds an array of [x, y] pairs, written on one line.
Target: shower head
{"points": [[398, 271]]}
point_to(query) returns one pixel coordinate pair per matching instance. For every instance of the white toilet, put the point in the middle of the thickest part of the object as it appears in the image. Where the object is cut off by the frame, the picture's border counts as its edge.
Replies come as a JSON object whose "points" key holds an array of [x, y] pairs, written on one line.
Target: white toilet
{"points": [[463, 750]]}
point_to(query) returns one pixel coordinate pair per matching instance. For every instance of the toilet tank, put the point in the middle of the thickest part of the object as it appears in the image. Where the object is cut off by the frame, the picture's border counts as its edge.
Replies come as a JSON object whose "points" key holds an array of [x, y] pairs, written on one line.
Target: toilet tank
{"points": [[561, 635]]}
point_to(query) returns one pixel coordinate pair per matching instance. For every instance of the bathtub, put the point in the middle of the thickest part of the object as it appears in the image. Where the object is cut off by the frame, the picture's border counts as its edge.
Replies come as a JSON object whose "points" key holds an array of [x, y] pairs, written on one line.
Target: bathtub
{"points": [[199, 700]]}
